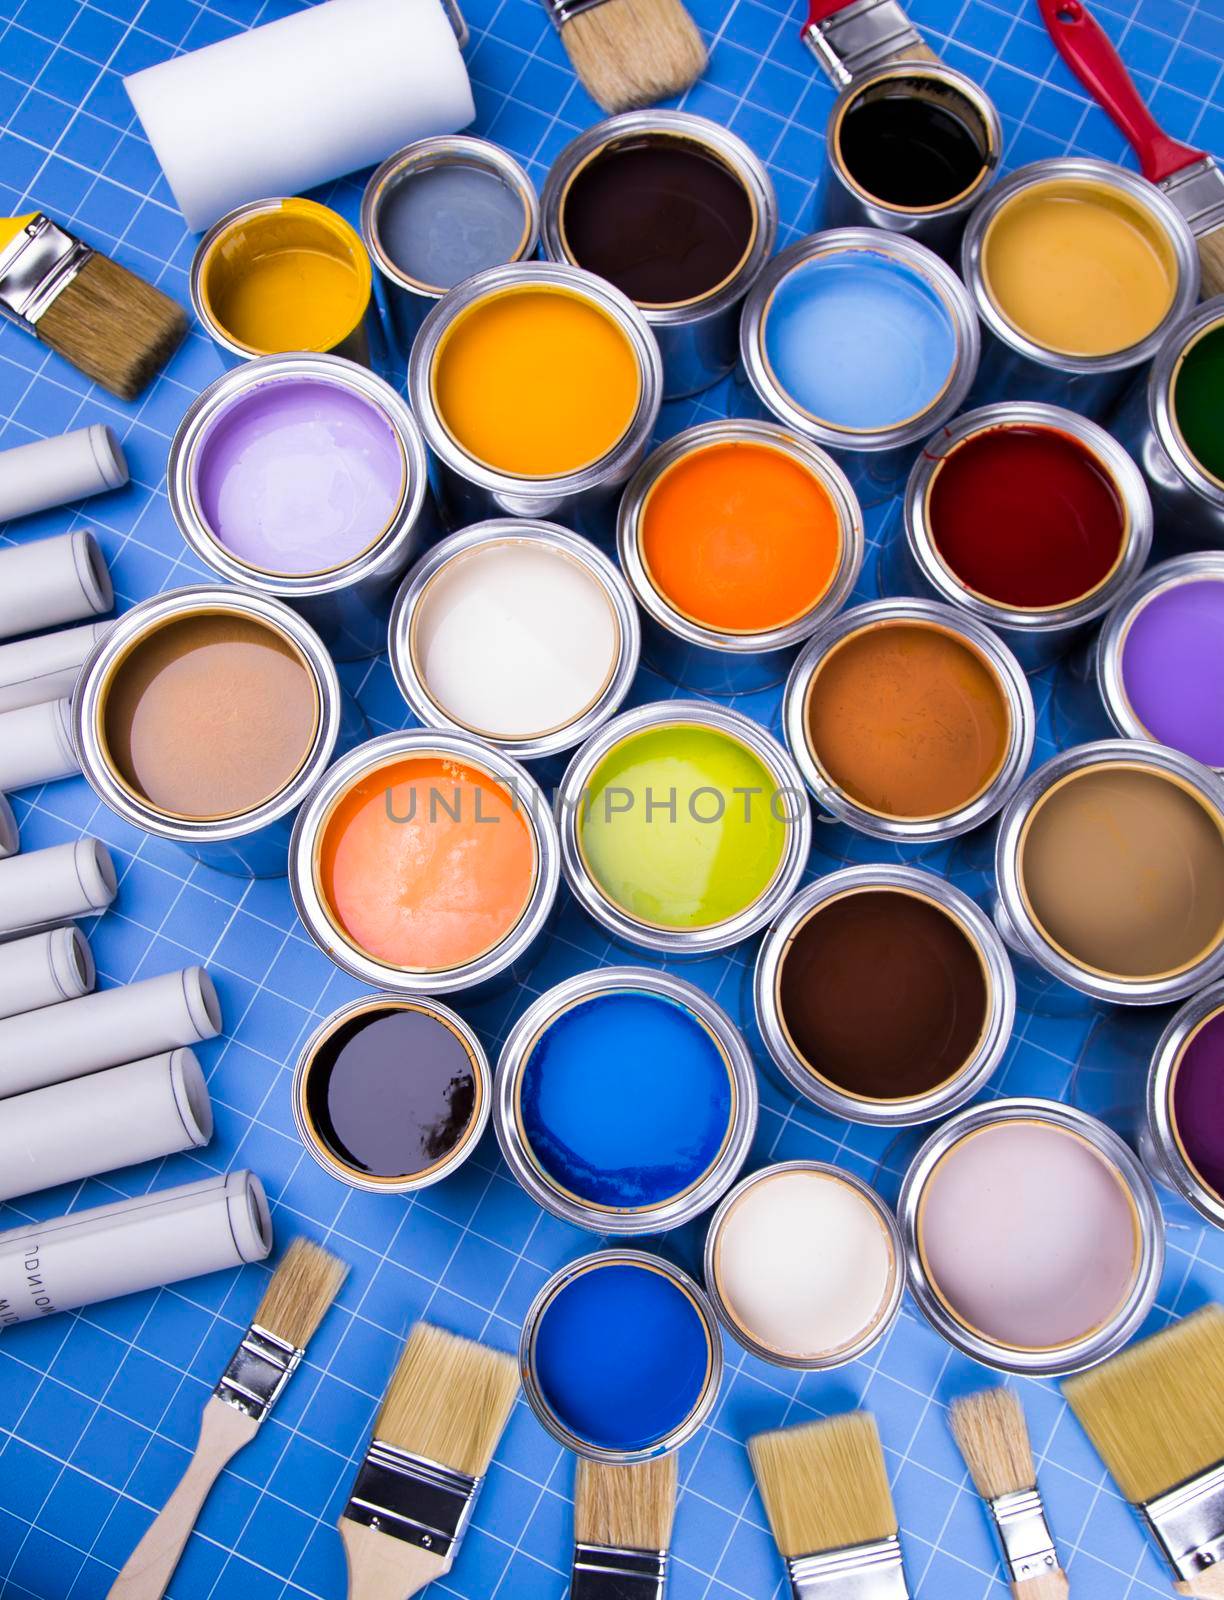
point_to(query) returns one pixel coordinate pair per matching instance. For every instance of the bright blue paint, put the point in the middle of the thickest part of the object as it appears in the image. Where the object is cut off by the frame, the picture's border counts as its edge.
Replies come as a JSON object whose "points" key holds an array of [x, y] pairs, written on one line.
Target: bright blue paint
{"points": [[625, 1099], [622, 1356], [859, 340]]}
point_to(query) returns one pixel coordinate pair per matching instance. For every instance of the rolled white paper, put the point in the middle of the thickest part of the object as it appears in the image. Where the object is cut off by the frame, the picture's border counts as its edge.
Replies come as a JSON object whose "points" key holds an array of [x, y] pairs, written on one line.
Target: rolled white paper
{"points": [[47, 666], [107, 1028], [43, 969], [299, 101], [135, 1244], [36, 745], [46, 887], [10, 839], [49, 581], [138, 1112], [53, 472]]}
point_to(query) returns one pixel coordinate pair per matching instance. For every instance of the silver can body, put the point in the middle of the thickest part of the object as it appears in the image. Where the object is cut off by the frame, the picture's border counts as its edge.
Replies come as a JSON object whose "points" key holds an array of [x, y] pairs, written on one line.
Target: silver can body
{"points": [[348, 604], [1160, 1141]]}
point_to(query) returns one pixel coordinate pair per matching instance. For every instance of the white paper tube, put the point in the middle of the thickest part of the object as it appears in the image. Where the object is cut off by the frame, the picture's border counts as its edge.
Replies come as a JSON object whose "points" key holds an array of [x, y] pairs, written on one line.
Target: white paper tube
{"points": [[10, 839], [300, 101], [46, 887], [53, 472], [49, 581], [43, 969], [46, 667], [106, 1028], [136, 1244], [36, 745]]}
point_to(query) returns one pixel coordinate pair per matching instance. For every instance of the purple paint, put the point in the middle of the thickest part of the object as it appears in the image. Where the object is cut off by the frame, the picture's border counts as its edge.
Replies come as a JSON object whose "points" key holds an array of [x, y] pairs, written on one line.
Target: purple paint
{"points": [[1173, 668], [1198, 1102], [299, 476]]}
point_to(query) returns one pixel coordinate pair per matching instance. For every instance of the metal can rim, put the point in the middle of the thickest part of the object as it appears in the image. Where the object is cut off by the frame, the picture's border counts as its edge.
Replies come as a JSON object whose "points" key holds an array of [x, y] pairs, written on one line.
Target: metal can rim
{"points": [[1181, 335], [1166, 1057]]}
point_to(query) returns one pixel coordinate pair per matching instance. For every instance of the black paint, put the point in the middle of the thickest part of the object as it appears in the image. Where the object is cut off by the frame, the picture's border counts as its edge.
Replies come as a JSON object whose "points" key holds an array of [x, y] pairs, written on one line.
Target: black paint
{"points": [[912, 148]]}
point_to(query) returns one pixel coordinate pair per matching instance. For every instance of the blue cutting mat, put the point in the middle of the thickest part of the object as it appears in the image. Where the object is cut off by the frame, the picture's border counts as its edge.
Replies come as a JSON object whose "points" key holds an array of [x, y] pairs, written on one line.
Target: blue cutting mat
{"points": [[98, 1411]]}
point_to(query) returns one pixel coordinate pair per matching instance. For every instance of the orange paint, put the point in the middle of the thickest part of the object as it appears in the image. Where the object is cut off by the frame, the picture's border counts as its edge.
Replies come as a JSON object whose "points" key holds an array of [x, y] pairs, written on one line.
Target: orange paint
{"points": [[426, 864], [740, 537]]}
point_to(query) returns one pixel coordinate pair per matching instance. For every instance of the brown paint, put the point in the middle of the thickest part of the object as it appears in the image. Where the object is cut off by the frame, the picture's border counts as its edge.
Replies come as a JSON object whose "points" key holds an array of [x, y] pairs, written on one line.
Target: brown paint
{"points": [[1122, 868]]}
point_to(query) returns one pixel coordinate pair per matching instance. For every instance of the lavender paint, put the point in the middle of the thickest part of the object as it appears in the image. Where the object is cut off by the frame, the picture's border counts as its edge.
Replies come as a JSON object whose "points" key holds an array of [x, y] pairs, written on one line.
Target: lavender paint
{"points": [[1173, 668]]}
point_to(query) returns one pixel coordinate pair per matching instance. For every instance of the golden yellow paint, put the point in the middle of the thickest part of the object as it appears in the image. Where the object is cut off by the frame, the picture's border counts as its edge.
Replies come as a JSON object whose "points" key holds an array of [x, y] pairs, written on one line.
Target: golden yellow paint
{"points": [[536, 382], [295, 277], [1080, 269]]}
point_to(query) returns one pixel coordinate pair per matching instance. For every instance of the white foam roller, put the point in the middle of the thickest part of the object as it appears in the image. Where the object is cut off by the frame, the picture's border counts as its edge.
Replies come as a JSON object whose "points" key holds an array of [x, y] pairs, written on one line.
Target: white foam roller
{"points": [[47, 666], [299, 101], [45, 887], [50, 581], [43, 969], [36, 745], [10, 839], [53, 472]]}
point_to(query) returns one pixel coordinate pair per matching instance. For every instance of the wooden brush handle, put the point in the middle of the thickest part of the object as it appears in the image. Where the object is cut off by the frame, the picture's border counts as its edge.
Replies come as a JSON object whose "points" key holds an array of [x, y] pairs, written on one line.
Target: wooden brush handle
{"points": [[383, 1568], [147, 1572], [1209, 1585], [1045, 1586]]}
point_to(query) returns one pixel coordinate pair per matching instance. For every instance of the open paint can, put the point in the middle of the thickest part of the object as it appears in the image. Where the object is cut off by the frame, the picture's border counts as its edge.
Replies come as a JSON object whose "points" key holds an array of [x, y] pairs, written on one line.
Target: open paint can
{"points": [[518, 631], [681, 216], [909, 720], [425, 862], [868, 931], [804, 1266], [537, 387], [280, 275], [1034, 1237], [391, 1095], [684, 827], [912, 146], [591, 1128], [439, 211], [863, 342], [1110, 872], [1044, 257], [1172, 426], [621, 1356], [1182, 1138], [1069, 517], [304, 476], [738, 539], [206, 716]]}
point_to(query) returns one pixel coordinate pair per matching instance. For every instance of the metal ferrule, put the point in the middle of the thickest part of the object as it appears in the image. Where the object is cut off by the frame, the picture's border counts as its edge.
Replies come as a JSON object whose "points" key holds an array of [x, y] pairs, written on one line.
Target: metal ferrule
{"points": [[859, 37], [259, 1369], [562, 11], [412, 1499], [1188, 1524], [1160, 1140], [35, 267], [602, 1572], [1024, 1535], [859, 1572], [1198, 193]]}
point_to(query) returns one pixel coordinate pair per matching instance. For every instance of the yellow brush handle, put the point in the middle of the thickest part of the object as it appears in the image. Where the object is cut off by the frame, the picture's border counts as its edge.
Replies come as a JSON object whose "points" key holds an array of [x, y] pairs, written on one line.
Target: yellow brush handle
{"points": [[10, 227]]}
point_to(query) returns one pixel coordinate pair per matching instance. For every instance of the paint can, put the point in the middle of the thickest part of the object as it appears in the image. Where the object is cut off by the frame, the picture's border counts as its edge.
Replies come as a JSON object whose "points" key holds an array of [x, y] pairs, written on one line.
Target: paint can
{"points": [[438, 211], [909, 720], [305, 477], [681, 216], [730, 580], [280, 275], [867, 931], [518, 631], [804, 1266], [684, 827], [1181, 1137], [912, 147], [391, 1095], [1042, 256], [537, 387], [591, 1129], [1033, 1236], [1070, 521], [1080, 849], [206, 716], [425, 862], [621, 1356], [1169, 421]]}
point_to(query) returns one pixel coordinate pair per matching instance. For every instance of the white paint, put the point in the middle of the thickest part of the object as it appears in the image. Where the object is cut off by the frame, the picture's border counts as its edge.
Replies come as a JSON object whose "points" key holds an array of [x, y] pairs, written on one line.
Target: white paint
{"points": [[514, 639], [804, 1264]]}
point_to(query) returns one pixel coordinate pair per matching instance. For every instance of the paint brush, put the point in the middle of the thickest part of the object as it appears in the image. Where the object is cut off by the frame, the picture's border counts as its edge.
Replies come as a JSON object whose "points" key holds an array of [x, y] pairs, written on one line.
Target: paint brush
{"points": [[446, 1406], [1191, 178], [991, 1433], [1156, 1416], [849, 37], [294, 1303], [622, 1529], [828, 1502], [630, 53]]}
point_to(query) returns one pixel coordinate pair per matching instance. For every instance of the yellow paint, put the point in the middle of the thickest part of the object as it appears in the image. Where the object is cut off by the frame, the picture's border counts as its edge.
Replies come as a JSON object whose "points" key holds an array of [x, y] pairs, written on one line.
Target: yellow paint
{"points": [[1080, 269], [536, 382], [295, 277]]}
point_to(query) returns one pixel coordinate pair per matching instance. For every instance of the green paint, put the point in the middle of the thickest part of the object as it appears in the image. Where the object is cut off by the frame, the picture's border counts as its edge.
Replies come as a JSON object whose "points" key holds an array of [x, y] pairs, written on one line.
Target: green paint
{"points": [[683, 872], [1198, 401]]}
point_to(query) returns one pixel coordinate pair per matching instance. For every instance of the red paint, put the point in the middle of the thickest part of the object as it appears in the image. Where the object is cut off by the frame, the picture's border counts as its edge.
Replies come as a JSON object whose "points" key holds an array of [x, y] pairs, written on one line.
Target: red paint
{"points": [[1025, 517]]}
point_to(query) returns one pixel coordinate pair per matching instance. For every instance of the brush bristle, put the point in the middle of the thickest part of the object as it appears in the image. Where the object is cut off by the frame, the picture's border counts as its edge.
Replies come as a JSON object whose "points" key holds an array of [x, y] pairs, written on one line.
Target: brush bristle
{"points": [[1156, 1412], [824, 1484], [632, 53], [628, 1508], [1211, 259], [449, 1400], [993, 1438], [113, 326], [303, 1287]]}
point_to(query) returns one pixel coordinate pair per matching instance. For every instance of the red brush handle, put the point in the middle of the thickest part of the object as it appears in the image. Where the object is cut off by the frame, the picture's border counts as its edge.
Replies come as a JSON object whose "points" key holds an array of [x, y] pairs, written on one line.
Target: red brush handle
{"points": [[1086, 48], [822, 10]]}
